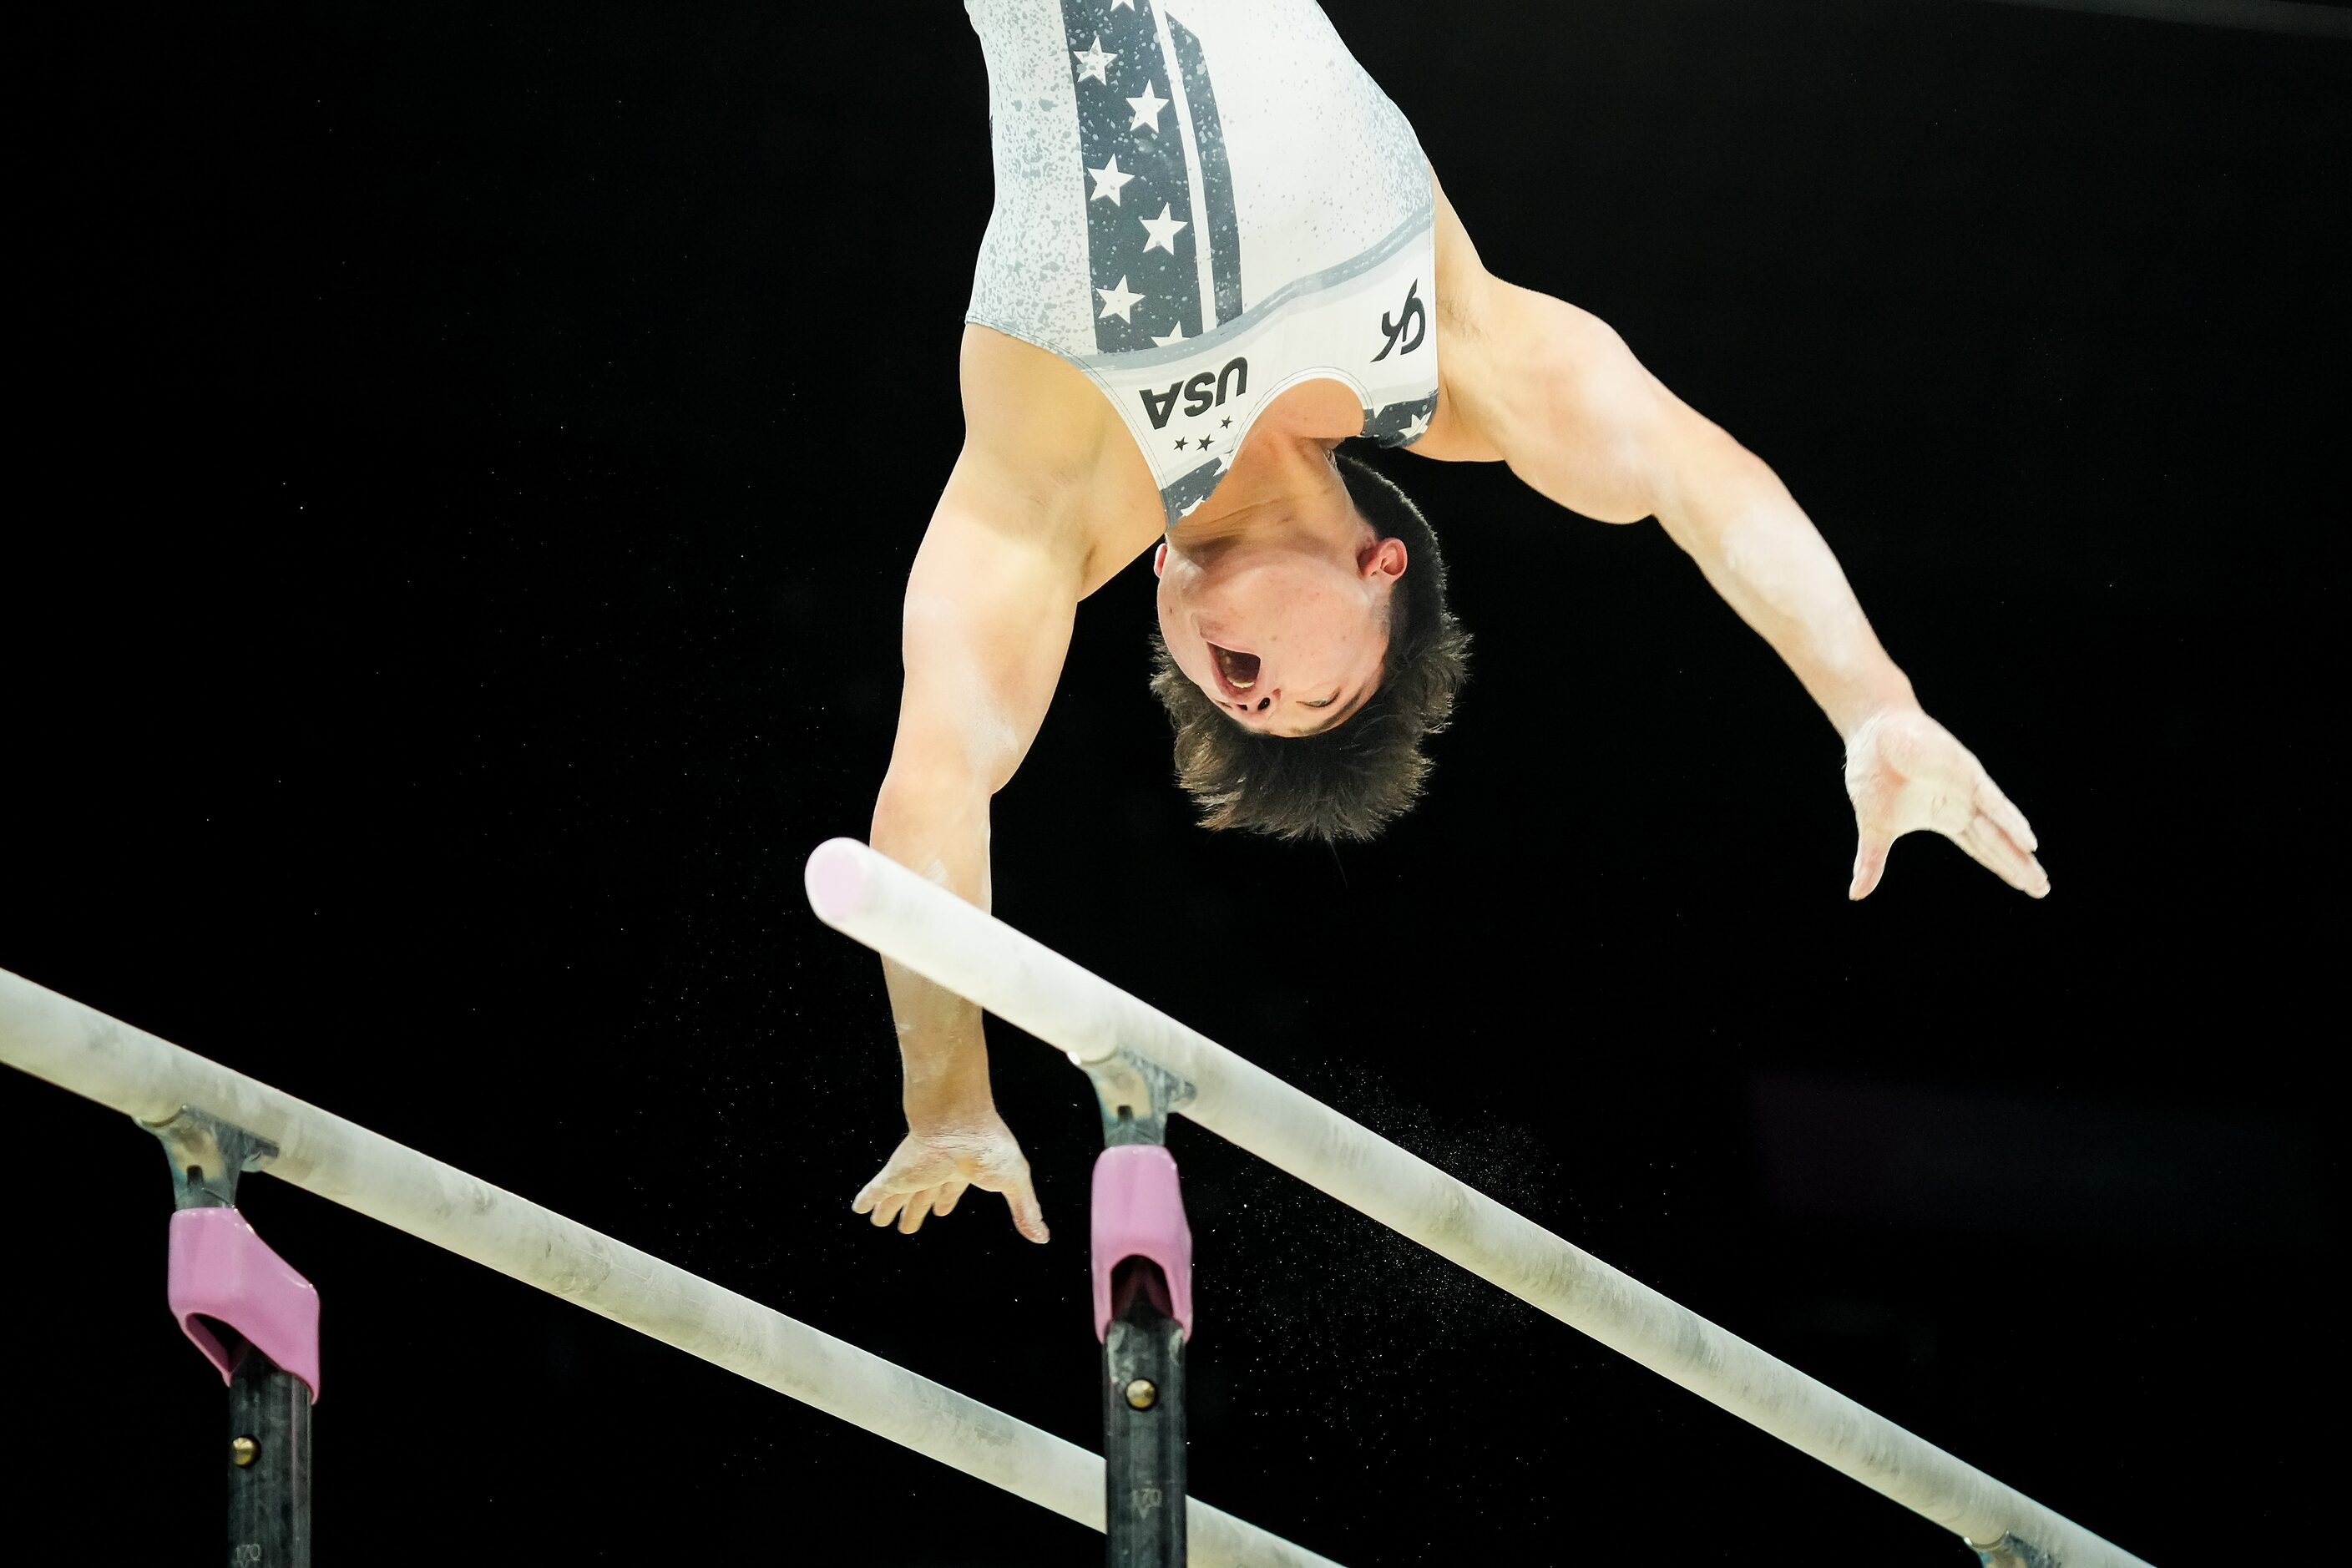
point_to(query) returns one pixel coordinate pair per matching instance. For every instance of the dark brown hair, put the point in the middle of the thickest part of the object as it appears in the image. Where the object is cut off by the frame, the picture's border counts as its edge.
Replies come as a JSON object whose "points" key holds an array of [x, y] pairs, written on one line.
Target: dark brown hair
{"points": [[1351, 780]]}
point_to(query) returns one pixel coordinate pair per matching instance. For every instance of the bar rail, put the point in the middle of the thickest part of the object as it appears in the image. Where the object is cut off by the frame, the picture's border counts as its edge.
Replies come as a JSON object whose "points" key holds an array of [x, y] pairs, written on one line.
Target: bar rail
{"points": [[78, 1047], [871, 898]]}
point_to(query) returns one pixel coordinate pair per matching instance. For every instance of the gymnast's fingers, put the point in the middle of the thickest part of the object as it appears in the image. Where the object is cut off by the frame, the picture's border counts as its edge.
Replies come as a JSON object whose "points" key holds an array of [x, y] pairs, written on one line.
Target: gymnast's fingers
{"points": [[886, 1206], [949, 1194], [919, 1207], [2006, 816], [1021, 1197], [1869, 861], [1027, 1217], [1989, 846], [1009, 1174], [868, 1197]]}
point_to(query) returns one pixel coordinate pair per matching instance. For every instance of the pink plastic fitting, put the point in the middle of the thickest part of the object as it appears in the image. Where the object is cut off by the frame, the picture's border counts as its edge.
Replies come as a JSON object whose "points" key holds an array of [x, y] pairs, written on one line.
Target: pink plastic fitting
{"points": [[222, 1271], [1138, 1212]]}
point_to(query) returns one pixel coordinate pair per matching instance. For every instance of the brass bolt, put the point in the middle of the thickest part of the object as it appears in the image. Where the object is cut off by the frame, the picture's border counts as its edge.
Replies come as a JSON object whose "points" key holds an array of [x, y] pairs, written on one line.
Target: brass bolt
{"points": [[1142, 1394], [243, 1451]]}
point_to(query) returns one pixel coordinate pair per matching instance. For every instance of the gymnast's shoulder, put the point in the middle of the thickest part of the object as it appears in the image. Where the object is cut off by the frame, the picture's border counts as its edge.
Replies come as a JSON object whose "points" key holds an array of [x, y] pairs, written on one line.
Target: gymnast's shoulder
{"points": [[1052, 446]]}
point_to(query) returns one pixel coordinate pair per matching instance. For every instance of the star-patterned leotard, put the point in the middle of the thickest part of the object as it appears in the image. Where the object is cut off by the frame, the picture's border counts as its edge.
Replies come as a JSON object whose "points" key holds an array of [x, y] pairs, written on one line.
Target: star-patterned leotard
{"points": [[1200, 203]]}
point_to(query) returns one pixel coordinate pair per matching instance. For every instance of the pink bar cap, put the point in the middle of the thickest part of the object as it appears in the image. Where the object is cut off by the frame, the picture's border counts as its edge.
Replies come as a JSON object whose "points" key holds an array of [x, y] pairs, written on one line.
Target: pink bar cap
{"points": [[222, 1271], [1138, 1212]]}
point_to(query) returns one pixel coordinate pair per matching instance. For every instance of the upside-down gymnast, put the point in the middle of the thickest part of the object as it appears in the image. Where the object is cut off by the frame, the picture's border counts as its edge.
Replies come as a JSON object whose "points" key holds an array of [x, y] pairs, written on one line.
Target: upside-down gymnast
{"points": [[1216, 253]]}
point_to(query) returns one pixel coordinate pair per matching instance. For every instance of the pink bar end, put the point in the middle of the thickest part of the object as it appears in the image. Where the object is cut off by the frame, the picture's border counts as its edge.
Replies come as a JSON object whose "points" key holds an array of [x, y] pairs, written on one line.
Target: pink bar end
{"points": [[835, 880], [1138, 1212], [221, 1270]]}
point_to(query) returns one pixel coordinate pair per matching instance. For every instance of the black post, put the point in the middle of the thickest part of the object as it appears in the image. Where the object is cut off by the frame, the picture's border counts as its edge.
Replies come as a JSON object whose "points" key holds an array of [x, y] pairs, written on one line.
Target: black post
{"points": [[1142, 1260], [270, 1466], [1144, 1423], [224, 1283]]}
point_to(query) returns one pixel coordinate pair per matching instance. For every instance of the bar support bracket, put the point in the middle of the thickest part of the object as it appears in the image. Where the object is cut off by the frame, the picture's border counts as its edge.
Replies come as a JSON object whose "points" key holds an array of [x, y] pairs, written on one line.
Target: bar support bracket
{"points": [[256, 1320], [1142, 1267]]}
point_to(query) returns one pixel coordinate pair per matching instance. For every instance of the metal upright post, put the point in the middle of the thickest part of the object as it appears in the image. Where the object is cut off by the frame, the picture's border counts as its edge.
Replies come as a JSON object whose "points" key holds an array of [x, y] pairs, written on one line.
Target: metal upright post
{"points": [[1142, 1260], [269, 1465], [256, 1319], [1144, 1423]]}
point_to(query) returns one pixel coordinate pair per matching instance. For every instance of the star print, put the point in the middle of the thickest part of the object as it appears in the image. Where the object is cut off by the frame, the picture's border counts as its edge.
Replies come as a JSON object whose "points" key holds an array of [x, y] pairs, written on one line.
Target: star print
{"points": [[1162, 230], [1107, 181], [1096, 63], [1175, 337], [1147, 109], [1179, 442], [1204, 442], [1418, 428], [1225, 425], [1118, 302]]}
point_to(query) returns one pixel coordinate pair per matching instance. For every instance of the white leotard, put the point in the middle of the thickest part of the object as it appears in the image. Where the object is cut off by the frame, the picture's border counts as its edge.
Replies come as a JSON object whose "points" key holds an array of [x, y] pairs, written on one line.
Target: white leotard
{"points": [[1201, 203]]}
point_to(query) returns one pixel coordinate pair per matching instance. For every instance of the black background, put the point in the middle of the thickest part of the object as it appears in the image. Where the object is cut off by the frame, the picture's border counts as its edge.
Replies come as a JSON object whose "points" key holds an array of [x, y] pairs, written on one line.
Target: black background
{"points": [[476, 454]]}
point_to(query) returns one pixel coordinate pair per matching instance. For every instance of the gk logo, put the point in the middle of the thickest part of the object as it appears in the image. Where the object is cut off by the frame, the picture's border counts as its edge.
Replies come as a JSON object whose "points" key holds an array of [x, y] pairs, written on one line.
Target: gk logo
{"points": [[1414, 316], [1202, 392]]}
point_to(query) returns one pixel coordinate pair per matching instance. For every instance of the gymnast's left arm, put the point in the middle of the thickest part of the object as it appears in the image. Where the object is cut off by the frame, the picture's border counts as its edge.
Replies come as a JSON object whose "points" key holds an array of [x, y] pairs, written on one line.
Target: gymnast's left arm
{"points": [[1553, 392]]}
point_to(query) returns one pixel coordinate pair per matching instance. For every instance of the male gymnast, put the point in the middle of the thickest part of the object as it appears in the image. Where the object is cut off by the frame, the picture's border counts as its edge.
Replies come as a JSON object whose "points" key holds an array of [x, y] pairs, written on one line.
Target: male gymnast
{"points": [[1216, 253]]}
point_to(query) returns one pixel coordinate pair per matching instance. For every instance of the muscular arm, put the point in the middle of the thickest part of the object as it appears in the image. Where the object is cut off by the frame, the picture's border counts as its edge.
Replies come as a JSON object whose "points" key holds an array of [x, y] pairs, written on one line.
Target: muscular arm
{"points": [[1015, 542], [1553, 392], [987, 621]]}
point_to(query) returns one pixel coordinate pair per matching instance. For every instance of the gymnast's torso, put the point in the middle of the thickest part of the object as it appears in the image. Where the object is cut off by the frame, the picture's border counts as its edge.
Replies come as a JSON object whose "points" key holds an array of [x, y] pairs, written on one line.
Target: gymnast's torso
{"points": [[1201, 204]]}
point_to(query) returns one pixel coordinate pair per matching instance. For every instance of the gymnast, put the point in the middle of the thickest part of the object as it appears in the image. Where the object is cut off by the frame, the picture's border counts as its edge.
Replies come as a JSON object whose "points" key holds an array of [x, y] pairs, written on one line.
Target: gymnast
{"points": [[1216, 253]]}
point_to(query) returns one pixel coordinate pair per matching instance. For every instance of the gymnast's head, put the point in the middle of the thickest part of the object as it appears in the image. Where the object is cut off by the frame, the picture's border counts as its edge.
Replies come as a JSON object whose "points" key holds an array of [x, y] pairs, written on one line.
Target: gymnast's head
{"points": [[1304, 651]]}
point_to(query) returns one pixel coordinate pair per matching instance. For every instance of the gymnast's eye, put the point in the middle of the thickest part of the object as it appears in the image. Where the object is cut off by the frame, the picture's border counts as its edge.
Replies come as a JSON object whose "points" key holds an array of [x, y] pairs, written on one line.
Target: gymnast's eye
{"points": [[1325, 703]]}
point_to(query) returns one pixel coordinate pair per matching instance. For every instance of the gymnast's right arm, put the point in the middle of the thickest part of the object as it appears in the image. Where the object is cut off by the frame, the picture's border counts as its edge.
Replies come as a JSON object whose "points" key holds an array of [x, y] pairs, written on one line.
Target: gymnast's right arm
{"points": [[988, 608]]}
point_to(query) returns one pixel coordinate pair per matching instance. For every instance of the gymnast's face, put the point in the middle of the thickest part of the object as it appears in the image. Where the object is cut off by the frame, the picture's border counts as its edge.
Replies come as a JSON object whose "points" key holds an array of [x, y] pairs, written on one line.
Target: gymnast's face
{"points": [[1283, 629]]}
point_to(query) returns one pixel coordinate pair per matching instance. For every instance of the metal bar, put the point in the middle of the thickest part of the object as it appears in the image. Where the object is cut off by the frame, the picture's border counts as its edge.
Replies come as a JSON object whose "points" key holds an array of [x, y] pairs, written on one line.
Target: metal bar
{"points": [[1143, 1343], [1029, 985], [1144, 1423], [268, 1406], [78, 1047], [268, 1465]]}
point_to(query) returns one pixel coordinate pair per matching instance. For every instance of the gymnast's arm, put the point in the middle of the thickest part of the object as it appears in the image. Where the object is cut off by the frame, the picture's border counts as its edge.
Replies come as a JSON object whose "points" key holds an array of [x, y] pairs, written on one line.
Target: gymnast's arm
{"points": [[1553, 392], [989, 604]]}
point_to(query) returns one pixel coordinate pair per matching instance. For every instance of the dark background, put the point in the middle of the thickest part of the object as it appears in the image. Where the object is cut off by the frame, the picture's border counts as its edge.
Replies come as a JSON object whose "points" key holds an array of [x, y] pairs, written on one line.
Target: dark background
{"points": [[476, 454]]}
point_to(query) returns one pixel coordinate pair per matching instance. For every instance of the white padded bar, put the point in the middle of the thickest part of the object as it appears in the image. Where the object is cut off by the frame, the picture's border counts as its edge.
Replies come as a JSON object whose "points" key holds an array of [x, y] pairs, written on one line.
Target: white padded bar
{"points": [[930, 931], [78, 1047]]}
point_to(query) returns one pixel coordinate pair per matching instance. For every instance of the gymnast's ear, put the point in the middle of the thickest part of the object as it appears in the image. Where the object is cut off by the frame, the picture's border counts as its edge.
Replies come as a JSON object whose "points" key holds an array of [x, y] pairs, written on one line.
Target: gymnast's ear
{"points": [[1386, 558], [1159, 559]]}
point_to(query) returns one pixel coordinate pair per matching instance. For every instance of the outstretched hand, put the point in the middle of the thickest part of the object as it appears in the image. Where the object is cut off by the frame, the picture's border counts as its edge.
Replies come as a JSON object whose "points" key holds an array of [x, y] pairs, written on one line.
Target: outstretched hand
{"points": [[932, 1169], [1904, 772]]}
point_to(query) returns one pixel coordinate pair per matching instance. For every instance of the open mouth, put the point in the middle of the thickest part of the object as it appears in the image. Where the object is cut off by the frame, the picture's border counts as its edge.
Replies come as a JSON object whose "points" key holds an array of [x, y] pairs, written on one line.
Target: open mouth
{"points": [[1238, 670]]}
